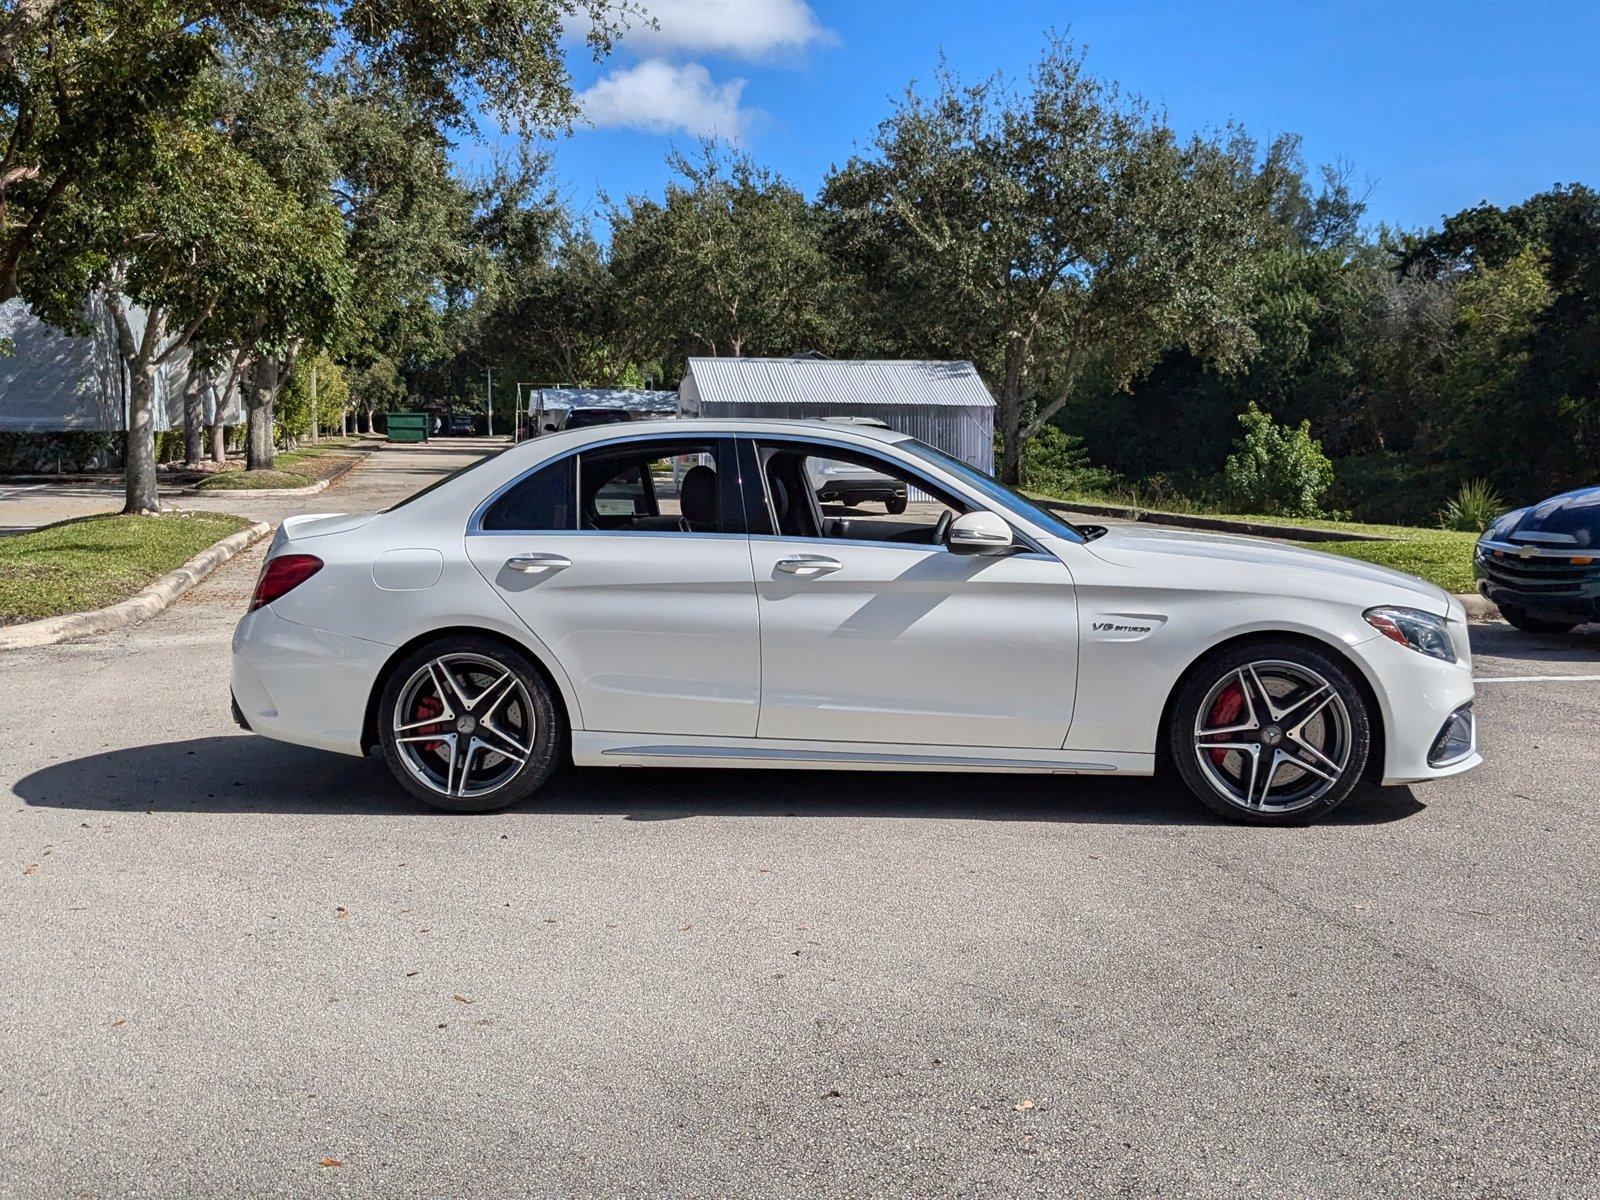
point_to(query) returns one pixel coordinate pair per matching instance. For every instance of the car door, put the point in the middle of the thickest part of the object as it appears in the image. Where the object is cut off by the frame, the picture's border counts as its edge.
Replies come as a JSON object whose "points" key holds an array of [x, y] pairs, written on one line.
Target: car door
{"points": [[629, 561], [871, 631]]}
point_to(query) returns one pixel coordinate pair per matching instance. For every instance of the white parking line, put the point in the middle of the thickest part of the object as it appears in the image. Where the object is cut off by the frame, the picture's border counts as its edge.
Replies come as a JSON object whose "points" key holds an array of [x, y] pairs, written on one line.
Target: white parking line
{"points": [[6, 493], [1537, 679]]}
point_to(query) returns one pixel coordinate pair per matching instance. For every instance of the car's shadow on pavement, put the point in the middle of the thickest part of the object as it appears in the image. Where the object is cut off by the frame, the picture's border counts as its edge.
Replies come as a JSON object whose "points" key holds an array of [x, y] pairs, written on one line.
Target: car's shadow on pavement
{"points": [[244, 774]]}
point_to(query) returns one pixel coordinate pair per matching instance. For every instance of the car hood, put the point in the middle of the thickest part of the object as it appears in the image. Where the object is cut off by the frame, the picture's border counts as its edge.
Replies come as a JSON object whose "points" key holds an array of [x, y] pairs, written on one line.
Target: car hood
{"points": [[1275, 566], [1570, 519]]}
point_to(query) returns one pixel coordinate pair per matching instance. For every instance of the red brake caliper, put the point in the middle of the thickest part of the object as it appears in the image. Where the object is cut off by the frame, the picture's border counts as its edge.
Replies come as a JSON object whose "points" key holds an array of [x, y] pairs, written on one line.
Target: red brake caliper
{"points": [[429, 706], [1223, 713]]}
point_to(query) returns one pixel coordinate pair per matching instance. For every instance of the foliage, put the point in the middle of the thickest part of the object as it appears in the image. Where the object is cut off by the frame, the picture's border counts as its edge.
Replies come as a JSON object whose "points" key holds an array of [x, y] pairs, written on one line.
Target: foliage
{"points": [[1056, 464], [293, 409], [1042, 231], [1277, 469], [729, 263], [95, 561], [247, 481], [1473, 509]]}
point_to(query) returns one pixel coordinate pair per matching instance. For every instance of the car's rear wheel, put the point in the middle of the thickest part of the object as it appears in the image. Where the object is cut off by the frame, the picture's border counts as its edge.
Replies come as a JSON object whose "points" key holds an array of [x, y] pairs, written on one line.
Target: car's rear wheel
{"points": [[468, 725], [1520, 618], [1271, 733], [895, 504]]}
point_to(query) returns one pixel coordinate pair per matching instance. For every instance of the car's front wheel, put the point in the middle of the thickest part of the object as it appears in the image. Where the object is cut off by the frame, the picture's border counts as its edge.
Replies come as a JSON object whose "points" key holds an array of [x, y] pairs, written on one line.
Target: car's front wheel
{"points": [[1272, 733], [467, 724], [895, 505]]}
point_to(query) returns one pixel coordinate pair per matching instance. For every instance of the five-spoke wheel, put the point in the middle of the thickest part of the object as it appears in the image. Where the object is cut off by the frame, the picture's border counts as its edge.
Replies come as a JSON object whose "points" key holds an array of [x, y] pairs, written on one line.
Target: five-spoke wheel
{"points": [[1270, 732], [467, 724]]}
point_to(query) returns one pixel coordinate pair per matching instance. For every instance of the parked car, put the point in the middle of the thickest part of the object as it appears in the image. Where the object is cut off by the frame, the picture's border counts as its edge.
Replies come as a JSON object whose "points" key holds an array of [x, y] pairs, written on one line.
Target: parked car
{"points": [[463, 425], [851, 483], [566, 598], [1541, 564]]}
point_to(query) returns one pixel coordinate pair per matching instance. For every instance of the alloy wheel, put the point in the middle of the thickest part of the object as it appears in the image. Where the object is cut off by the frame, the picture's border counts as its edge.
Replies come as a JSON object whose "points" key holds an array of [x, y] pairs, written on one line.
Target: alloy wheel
{"points": [[1273, 736], [464, 725]]}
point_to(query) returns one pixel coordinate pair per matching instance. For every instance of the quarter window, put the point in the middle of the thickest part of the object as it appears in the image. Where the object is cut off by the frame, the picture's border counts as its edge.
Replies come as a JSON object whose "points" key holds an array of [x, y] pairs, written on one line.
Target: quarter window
{"points": [[544, 500]]}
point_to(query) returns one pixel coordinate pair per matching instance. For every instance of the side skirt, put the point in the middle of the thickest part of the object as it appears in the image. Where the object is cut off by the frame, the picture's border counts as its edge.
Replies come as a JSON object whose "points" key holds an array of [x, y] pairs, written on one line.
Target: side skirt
{"points": [[658, 750]]}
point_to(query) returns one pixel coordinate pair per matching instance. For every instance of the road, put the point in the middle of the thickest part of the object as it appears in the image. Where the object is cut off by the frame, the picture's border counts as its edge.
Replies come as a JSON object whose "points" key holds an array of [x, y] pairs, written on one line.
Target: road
{"points": [[227, 962]]}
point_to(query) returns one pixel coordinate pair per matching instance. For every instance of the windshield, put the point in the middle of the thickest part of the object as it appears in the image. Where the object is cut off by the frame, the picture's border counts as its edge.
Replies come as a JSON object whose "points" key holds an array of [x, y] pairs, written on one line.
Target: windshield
{"points": [[994, 490]]}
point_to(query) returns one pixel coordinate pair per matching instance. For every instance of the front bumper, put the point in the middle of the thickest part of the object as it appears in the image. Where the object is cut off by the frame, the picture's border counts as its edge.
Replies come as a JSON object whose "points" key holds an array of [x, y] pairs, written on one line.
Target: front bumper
{"points": [[303, 685], [1418, 696], [1541, 581]]}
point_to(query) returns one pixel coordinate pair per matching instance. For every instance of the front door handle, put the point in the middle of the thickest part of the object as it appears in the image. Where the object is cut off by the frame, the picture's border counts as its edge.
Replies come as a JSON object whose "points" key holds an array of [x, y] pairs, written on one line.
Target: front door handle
{"points": [[533, 564], [809, 565]]}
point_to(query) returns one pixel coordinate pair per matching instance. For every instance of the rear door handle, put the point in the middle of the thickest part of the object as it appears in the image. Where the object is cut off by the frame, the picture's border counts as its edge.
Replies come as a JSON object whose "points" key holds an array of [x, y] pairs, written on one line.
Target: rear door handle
{"points": [[809, 565], [533, 564]]}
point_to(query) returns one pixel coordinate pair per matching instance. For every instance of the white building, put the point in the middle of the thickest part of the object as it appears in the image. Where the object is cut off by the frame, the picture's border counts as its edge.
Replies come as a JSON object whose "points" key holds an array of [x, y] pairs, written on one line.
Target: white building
{"points": [[52, 381], [942, 403]]}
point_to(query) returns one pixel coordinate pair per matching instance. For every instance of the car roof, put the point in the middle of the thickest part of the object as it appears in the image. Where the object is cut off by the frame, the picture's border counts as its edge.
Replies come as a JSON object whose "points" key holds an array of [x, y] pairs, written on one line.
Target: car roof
{"points": [[693, 426]]}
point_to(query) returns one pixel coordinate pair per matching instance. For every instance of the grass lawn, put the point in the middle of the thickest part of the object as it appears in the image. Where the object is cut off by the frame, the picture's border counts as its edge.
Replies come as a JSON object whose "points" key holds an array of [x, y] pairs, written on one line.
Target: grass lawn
{"points": [[1438, 555], [249, 481], [95, 561]]}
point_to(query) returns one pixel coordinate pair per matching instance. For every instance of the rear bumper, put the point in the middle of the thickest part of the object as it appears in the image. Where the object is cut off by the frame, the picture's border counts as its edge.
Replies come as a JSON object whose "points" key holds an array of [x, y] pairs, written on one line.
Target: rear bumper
{"points": [[865, 489], [303, 685]]}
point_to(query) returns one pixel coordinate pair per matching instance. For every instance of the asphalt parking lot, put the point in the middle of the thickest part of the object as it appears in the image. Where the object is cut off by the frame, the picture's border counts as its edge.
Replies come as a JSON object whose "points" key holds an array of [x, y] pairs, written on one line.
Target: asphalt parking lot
{"points": [[238, 968]]}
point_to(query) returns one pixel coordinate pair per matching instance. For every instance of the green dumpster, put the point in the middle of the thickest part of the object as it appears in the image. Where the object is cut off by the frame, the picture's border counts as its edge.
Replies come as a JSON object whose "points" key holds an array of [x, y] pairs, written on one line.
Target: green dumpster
{"points": [[408, 427]]}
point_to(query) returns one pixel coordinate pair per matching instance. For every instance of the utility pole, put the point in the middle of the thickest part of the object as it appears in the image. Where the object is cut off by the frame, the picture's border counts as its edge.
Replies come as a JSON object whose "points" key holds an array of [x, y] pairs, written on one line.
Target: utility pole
{"points": [[488, 375]]}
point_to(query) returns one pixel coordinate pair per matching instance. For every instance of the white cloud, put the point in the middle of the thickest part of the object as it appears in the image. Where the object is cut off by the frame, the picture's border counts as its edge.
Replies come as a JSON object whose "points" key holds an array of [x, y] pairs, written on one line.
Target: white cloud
{"points": [[663, 97], [741, 28]]}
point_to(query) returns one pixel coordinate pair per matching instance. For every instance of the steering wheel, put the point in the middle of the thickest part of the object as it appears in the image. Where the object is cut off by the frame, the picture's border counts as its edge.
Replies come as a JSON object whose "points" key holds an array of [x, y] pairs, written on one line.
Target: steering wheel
{"points": [[943, 527]]}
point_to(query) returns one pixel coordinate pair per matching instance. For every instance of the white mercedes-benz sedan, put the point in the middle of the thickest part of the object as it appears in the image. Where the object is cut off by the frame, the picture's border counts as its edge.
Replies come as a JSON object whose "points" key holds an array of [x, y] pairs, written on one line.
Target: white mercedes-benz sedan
{"points": [[676, 593]]}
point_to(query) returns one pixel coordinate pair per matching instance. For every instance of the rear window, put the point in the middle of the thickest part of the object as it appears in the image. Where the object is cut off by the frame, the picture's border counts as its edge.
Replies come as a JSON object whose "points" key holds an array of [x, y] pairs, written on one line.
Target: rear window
{"points": [[542, 500]]}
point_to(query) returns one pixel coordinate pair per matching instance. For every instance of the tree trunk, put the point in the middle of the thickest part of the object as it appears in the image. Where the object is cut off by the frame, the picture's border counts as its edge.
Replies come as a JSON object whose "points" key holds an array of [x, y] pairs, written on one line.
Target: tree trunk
{"points": [[219, 439], [139, 469], [313, 402], [194, 411], [259, 449], [344, 423]]}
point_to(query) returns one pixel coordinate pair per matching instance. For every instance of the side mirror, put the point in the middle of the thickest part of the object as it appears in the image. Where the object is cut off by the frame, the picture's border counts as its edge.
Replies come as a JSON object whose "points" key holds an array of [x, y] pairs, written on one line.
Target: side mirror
{"points": [[978, 532]]}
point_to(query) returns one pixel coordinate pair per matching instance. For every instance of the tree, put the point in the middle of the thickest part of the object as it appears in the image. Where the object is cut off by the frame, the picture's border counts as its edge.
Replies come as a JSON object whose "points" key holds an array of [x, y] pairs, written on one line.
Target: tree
{"points": [[730, 262], [1041, 232], [86, 89]]}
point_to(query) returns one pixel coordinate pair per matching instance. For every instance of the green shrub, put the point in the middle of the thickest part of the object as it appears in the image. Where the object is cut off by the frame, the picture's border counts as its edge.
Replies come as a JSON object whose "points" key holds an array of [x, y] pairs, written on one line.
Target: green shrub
{"points": [[1277, 470], [1055, 463], [1474, 508]]}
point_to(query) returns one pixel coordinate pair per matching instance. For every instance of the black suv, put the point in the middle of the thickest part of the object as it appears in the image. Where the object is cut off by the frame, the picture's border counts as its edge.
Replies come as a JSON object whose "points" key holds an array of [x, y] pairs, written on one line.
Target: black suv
{"points": [[1541, 564]]}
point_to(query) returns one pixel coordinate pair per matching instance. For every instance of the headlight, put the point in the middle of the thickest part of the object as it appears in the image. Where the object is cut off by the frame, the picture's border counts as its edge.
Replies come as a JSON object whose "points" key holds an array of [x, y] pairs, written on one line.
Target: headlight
{"points": [[1420, 631]]}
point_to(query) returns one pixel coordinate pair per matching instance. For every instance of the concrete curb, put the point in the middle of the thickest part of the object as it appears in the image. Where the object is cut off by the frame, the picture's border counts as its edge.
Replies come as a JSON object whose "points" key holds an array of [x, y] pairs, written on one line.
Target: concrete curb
{"points": [[155, 598], [1479, 608], [1269, 529]]}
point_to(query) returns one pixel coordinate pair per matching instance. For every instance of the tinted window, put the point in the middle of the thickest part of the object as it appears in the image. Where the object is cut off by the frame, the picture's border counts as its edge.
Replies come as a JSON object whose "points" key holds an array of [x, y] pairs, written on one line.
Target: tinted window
{"points": [[542, 500]]}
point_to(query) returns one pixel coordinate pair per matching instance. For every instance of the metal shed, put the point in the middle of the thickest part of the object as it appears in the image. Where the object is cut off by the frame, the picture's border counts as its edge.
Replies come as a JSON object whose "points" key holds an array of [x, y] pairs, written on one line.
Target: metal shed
{"points": [[942, 403]]}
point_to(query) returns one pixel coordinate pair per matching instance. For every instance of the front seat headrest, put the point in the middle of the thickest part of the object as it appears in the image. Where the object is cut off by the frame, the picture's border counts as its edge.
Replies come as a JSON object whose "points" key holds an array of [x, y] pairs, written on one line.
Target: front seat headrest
{"points": [[697, 498]]}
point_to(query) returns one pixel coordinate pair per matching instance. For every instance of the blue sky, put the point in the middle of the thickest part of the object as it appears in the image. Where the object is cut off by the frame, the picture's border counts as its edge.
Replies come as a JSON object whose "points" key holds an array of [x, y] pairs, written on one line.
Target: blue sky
{"points": [[1437, 105]]}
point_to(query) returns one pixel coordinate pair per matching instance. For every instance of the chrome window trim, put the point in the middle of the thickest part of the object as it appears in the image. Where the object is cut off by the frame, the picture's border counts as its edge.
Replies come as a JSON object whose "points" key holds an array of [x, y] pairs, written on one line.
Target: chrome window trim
{"points": [[475, 521]]}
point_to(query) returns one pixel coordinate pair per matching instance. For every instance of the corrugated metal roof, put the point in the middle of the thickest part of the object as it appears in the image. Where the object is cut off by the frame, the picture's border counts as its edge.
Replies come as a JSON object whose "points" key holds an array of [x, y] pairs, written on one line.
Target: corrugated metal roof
{"points": [[845, 382], [619, 399]]}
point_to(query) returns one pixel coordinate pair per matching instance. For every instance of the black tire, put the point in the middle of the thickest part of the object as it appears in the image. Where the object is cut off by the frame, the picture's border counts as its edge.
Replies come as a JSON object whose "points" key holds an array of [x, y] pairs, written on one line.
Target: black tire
{"points": [[1323, 754], [896, 505], [525, 717], [1519, 618]]}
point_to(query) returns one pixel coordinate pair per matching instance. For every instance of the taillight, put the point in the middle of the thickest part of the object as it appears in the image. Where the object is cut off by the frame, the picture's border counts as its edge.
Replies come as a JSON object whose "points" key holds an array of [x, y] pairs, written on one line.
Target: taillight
{"points": [[282, 575]]}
